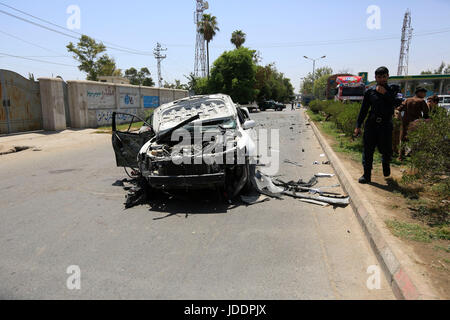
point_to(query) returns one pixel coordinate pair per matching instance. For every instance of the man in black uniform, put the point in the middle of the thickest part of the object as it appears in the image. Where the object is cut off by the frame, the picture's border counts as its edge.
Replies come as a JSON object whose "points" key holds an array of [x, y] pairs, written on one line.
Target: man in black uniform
{"points": [[380, 103]]}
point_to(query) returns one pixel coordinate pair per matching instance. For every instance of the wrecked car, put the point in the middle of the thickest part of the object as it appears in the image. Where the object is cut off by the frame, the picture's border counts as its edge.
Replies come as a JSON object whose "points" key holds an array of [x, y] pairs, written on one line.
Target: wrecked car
{"points": [[195, 142]]}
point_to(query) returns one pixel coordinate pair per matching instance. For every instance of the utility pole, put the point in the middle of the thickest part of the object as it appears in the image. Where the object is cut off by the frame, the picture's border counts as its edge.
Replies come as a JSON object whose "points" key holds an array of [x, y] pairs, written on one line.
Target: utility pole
{"points": [[159, 57], [200, 51], [314, 64], [407, 31]]}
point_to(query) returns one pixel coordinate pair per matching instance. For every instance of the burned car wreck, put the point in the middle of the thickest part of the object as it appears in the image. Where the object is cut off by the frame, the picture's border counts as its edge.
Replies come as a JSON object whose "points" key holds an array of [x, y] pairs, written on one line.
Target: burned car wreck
{"points": [[203, 142], [195, 142]]}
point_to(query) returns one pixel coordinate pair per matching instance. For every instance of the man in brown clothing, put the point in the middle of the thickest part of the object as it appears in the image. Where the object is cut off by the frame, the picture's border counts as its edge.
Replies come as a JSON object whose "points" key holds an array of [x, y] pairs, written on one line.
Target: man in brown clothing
{"points": [[414, 108]]}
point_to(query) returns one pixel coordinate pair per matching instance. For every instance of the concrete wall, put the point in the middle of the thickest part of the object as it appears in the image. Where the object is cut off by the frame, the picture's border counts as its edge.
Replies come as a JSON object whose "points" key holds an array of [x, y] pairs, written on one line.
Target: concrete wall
{"points": [[91, 104], [52, 101], [20, 103]]}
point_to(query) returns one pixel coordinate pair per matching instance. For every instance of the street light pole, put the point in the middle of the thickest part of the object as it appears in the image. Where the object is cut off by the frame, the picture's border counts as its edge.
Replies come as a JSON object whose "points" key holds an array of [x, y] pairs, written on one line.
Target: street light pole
{"points": [[314, 64]]}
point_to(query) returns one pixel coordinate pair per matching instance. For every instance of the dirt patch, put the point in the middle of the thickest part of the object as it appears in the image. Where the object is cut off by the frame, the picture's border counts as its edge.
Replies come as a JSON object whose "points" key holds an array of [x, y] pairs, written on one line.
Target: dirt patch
{"points": [[393, 204]]}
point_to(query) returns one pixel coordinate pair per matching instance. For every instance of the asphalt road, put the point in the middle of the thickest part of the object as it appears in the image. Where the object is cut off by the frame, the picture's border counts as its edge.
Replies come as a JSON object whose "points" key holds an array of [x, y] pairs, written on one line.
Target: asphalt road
{"points": [[60, 208]]}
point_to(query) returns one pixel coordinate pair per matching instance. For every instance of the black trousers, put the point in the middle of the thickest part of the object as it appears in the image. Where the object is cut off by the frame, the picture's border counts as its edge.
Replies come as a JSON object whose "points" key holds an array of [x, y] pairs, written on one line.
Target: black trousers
{"points": [[377, 136]]}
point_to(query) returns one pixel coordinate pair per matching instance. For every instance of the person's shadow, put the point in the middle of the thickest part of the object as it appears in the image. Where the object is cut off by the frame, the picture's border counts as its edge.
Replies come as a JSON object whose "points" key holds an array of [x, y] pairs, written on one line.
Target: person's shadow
{"points": [[394, 187]]}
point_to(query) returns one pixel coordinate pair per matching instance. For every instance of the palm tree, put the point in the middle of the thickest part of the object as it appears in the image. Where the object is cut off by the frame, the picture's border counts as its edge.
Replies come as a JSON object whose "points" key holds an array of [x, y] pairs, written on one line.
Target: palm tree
{"points": [[238, 38], [208, 27]]}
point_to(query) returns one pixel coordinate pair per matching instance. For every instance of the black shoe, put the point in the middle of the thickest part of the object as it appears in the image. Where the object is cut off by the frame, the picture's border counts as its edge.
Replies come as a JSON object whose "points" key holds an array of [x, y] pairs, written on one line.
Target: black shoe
{"points": [[386, 169], [364, 180]]}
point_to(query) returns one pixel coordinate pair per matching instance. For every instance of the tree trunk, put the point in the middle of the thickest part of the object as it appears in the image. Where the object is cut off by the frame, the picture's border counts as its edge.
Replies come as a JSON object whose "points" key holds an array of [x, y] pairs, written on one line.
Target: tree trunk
{"points": [[207, 56]]}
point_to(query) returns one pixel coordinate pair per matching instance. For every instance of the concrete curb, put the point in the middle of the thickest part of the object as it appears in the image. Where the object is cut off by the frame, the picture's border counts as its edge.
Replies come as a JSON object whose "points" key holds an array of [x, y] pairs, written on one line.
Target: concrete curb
{"points": [[401, 283]]}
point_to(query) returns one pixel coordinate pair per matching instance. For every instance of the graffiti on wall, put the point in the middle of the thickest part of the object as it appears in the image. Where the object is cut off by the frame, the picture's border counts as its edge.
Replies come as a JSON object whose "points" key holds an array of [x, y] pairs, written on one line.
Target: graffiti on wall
{"points": [[129, 100], [151, 101], [101, 98], [104, 117]]}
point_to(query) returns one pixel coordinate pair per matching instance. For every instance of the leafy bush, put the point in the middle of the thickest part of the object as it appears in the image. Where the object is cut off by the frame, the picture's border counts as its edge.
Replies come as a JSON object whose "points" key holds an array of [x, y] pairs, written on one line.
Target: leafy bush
{"points": [[346, 119], [343, 115], [430, 146], [332, 109], [315, 106]]}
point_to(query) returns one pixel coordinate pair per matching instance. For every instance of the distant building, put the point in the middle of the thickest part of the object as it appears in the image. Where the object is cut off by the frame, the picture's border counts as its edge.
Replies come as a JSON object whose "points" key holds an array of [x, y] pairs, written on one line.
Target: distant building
{"points": [[113, 79]]}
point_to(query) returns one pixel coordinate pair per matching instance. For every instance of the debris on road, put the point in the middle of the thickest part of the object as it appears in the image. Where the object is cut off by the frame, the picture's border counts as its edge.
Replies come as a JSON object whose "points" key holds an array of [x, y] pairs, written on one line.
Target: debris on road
{"points": [[323, 204], [324, 175], [336, 200], [293, 162], [254, 199]]}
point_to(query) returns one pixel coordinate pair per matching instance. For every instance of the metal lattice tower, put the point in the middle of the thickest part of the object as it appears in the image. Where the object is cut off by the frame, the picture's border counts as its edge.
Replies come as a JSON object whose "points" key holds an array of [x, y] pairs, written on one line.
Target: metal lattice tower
{"points": [[405, 43], [159, 57], [200, 51]]}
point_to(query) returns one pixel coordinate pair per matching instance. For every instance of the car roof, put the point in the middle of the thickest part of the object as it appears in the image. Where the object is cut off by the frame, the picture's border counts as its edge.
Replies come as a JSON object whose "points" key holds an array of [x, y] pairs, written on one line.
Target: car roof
{"points": [[208, 107]]}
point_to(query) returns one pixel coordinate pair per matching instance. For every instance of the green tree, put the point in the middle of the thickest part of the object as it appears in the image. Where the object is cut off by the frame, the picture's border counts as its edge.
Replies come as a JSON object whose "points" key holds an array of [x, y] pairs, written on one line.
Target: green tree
{"points": [[176, 85], [208, 27], [139, 78], [106, 66], [87, 52], [320, 87], [238, 38], [233, 73], [272, 85], [442, 69], [308, 82]]}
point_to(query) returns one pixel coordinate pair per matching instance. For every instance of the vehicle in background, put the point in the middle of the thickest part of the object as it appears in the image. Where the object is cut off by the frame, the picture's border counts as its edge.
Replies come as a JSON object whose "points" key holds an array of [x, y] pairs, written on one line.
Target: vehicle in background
{"points": [[444, 101], [350, 88], [332, 84], [252, 107], [271, 104]]}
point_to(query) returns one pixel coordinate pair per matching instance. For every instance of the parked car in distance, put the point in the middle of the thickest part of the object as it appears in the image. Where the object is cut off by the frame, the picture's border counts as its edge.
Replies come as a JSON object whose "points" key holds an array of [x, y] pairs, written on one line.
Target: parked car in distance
{"points": [[252, 107], [270, 104]]}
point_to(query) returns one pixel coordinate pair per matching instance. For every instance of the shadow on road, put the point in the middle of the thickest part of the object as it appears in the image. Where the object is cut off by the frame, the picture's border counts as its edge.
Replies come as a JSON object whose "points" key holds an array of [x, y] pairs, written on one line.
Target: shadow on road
{"points": [[188, 203], [178, 202]]}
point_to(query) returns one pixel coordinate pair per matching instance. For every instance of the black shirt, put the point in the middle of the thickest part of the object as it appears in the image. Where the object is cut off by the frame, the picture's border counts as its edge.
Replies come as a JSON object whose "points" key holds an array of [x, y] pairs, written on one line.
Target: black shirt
{"points": [[380, 105]]}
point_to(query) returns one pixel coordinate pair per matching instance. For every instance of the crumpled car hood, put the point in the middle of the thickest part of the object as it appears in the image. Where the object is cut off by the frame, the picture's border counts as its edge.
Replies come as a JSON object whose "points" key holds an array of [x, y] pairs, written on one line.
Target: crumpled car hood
{"points": [[207, 107]]}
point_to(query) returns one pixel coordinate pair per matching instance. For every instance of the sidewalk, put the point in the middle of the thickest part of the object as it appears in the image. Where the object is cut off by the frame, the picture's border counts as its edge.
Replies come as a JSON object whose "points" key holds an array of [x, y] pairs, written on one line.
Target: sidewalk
{"points": [[372, 205], [47, 141]]}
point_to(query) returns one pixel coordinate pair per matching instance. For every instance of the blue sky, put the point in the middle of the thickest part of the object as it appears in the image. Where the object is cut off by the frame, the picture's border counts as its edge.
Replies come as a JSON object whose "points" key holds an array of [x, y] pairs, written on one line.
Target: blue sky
{"points": [[283, 31]]}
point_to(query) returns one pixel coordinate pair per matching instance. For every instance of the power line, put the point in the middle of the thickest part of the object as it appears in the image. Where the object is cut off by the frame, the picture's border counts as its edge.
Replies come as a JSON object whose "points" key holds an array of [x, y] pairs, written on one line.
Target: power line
{"points": [[66, 29], [69, 35], [44, 56], [38, 25], [31, 59], [31, 43], [328, 42]]}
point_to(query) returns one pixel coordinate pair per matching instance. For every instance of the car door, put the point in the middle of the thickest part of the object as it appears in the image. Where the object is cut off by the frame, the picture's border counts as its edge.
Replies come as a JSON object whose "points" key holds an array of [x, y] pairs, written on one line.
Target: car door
{"points": [[128, 140]]}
